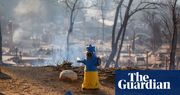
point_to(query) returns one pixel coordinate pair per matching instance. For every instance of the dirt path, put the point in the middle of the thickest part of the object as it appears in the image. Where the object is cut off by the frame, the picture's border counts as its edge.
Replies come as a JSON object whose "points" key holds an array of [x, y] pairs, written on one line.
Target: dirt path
{"points": [[42, 81]]}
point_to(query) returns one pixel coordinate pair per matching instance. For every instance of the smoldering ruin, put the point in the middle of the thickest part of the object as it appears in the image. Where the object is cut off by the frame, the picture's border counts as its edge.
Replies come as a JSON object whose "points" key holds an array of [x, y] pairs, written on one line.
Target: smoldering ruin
{"points": [[37, 29], [42, 41], [35, 32]]}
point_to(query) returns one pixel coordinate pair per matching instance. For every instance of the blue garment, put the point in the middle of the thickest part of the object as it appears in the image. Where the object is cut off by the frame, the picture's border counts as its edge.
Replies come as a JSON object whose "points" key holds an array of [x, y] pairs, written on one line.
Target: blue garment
{"points": [[91, 63], [91, 49]]}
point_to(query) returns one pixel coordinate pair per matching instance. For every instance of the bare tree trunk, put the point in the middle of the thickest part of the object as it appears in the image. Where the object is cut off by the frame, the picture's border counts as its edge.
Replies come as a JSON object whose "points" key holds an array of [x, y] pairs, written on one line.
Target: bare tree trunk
{"points": [[67, 47], [71, 25], [103, 18], [174, 39], [173, 50], [147, 60], [177, 64], [0, 44], [113, 45], [111, 57], [118, 56], [123, 30], [68, 38], [103, 31], [115, 23], [133, 42], [120, 48]]}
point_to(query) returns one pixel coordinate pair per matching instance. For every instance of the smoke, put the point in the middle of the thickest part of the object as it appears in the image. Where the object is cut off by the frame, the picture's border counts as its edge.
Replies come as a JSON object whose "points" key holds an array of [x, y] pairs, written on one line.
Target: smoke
{"points": [[32, 17], [59, 51], [28, 15], [27, 6], [18, 34]]}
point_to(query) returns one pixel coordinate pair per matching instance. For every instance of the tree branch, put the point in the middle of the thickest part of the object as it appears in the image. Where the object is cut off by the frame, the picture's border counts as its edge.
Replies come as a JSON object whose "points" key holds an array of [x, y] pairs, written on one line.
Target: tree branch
{"points": [[115, 21], [141, 6]]}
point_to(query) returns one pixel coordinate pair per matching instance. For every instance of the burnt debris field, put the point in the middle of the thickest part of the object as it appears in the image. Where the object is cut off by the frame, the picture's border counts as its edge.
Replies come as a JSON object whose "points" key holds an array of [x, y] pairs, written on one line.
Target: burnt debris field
{"points": [[66, 47]]}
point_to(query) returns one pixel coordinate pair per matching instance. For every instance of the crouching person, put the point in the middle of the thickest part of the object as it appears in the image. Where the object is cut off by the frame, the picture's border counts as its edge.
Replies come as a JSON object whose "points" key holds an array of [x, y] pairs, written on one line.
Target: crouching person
{"points": [[91, 78]]}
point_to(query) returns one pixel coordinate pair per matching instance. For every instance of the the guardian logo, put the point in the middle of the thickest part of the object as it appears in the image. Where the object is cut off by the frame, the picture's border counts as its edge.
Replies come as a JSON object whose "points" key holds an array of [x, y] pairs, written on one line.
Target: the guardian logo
{"points": [[138, 81]]}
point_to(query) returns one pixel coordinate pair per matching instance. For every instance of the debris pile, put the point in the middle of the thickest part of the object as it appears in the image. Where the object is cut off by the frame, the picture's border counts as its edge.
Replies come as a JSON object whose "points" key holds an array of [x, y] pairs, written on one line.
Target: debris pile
{"points": [[64, 65]]}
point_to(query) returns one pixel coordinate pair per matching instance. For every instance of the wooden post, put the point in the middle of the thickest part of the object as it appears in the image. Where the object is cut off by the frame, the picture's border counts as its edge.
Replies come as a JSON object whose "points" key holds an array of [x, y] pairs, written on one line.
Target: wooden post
{"points": [[177, 64], [1, 59], [128, 48], [155, 58], [147, 59], [166, 60]]}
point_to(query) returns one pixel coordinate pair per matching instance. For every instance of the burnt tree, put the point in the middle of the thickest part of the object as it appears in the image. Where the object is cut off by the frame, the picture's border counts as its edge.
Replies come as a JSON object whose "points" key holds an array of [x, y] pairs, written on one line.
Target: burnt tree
{"points": [[1, 44], [116, 45], [154, 24], [74, 7], [175, 17]]}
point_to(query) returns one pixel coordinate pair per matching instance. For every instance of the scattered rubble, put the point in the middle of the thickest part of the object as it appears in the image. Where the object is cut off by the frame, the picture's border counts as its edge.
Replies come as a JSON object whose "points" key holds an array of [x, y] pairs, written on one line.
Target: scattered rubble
{"points": [[65, 65]]}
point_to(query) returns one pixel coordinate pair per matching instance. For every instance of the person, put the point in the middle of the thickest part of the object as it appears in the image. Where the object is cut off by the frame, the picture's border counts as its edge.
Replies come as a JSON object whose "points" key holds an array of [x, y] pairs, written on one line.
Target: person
{"points": [[20, 57], [91, 78]]}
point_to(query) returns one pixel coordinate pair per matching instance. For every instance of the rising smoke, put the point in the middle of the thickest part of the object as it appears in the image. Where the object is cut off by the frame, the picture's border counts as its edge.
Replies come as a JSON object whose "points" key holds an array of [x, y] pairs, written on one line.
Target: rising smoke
{"points": [[28, 14], [32, 19]]}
